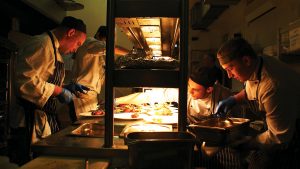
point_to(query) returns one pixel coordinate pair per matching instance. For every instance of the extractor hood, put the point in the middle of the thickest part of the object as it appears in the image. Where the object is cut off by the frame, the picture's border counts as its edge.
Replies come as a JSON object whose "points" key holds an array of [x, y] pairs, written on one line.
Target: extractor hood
{"points": [[158, 35], [69, 5]]}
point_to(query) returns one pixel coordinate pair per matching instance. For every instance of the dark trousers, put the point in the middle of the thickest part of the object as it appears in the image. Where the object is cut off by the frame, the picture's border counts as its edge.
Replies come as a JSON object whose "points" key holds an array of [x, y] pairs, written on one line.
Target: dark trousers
{"points": [[19, 150]]}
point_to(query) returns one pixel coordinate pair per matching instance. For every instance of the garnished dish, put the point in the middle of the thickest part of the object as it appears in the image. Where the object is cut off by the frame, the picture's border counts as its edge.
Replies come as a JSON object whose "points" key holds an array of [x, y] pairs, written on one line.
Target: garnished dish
{"points": [[162, 119], [159, 113], [125, 108], [93, 113], [129, 116], [99, 112]]}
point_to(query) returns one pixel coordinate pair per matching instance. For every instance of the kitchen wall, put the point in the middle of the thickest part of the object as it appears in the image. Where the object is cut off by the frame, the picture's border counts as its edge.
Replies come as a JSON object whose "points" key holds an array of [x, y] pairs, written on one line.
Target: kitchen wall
{"points": [[260, 32], [94, 15]]}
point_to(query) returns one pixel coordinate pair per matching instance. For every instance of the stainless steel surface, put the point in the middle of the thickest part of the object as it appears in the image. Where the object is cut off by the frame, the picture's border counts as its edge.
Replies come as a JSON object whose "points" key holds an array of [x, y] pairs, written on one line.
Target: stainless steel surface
{"points": [[63, 144], [160, 150], [216, 123], [215, 131], [89, 130], [146, 78]]}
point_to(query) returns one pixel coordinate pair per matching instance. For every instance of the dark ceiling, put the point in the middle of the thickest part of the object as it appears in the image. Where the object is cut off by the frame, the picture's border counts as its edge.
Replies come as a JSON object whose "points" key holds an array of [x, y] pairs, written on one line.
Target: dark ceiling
{"points": [[31, 21]]}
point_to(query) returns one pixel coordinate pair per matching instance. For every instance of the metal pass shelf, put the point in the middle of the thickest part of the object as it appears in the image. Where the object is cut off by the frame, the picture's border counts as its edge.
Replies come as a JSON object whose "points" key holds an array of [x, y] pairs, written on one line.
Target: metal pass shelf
{"points": [[174, 31]]}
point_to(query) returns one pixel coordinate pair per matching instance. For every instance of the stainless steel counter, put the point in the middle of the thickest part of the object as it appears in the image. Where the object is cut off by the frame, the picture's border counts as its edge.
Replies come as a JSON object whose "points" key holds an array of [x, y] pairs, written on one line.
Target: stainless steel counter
{"points": [[62, 143]]}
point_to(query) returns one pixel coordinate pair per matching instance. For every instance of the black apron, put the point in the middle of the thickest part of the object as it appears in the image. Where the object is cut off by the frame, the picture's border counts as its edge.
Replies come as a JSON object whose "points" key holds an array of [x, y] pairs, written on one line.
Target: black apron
{"points": [[50, 107], [253, 104], [20, 141]]}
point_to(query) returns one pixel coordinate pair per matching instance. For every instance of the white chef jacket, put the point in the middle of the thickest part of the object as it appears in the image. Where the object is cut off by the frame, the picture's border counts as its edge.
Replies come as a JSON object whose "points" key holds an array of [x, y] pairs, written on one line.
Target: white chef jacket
{"points": [[201, 108], [88, 70], [34, 65], [278, 96]]}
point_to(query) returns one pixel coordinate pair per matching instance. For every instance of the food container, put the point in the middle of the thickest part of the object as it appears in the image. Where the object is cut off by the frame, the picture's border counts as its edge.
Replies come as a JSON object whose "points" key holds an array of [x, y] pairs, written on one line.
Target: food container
{"points": [[160, 150], [220, 131]]}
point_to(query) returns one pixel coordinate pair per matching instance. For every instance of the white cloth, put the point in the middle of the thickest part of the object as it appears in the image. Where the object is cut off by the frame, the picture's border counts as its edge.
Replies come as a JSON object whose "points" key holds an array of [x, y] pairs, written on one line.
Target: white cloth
{"points": [[201, 108], [34, 65], [41, 127], [88, 70], [278, 96]]}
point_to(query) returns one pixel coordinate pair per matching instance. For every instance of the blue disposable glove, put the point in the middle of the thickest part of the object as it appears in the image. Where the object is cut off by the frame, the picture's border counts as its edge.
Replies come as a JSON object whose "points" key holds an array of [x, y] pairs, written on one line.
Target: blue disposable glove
{"points": [[65, 96], [224, 106], [76, 87]]}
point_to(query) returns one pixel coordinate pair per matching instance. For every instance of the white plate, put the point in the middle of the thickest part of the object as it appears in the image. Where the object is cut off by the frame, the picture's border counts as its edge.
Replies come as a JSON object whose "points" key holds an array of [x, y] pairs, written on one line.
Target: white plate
{"points": [[127, 116], [162, 119], [89, 114]]}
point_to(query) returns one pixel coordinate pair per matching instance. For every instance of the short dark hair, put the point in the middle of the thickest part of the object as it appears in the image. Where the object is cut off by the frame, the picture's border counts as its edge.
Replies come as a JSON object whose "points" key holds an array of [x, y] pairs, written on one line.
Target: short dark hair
{"points": [[101, 32], [204, 76], [73, 23], [235, 48]]}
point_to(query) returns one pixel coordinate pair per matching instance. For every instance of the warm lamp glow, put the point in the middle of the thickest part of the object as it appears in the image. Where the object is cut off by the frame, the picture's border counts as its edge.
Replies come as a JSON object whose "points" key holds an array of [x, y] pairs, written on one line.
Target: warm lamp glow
{"points": [[155, 47]]}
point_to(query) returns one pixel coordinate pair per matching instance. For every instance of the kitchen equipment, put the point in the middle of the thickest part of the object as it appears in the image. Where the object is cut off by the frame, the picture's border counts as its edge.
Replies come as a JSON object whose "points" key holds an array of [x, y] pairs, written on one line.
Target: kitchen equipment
{"points": [[220, 131], [160, 149]]}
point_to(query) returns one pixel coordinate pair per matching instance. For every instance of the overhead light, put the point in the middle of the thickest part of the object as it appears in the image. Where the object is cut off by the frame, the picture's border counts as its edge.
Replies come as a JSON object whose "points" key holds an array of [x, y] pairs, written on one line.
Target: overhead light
{"points": [[153, 41], [156, 52], [149, 21], [151, 31], [155, 47]]}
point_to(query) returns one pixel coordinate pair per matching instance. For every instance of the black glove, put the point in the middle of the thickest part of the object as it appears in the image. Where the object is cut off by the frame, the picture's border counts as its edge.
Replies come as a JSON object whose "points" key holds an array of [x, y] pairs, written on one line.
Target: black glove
{"points": [[65, 96], [76, 87], [224, 106]]}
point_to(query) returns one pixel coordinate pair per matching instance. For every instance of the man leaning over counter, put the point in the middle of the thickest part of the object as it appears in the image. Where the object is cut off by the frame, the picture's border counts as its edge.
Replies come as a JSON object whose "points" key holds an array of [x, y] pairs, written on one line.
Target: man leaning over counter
{"points": [[271, 89]]}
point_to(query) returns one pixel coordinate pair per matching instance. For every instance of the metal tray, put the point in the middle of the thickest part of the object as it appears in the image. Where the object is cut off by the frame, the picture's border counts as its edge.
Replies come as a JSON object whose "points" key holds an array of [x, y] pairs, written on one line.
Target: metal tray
{"points": [[166, 150], [218, 132]]}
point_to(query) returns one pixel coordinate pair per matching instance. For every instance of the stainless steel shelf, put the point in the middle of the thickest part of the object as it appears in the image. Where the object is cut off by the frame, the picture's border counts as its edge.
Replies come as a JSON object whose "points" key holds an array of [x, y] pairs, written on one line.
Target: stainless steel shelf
{"points": [[146, 78], [148, 8]]}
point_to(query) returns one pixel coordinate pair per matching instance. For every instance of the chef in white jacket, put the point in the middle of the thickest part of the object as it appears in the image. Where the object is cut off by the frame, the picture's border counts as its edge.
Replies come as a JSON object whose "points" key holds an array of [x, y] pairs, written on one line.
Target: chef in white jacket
{"points": [[89, 70], [38, 85], [272, 90], [204, 93]]}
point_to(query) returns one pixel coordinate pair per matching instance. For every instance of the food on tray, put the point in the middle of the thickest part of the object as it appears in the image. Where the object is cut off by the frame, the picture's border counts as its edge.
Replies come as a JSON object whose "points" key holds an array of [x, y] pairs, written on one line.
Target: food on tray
{"points": [[145, 108], [126, 108], [163, 112], [139, 59], [98, 112], [157, 120]]}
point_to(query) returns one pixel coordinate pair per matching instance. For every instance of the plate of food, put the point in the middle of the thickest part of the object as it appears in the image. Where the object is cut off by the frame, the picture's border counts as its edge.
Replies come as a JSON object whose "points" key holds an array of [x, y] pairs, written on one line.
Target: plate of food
{"points": [[162, 119], [127, 108], [129, 116], [94, 113]]}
